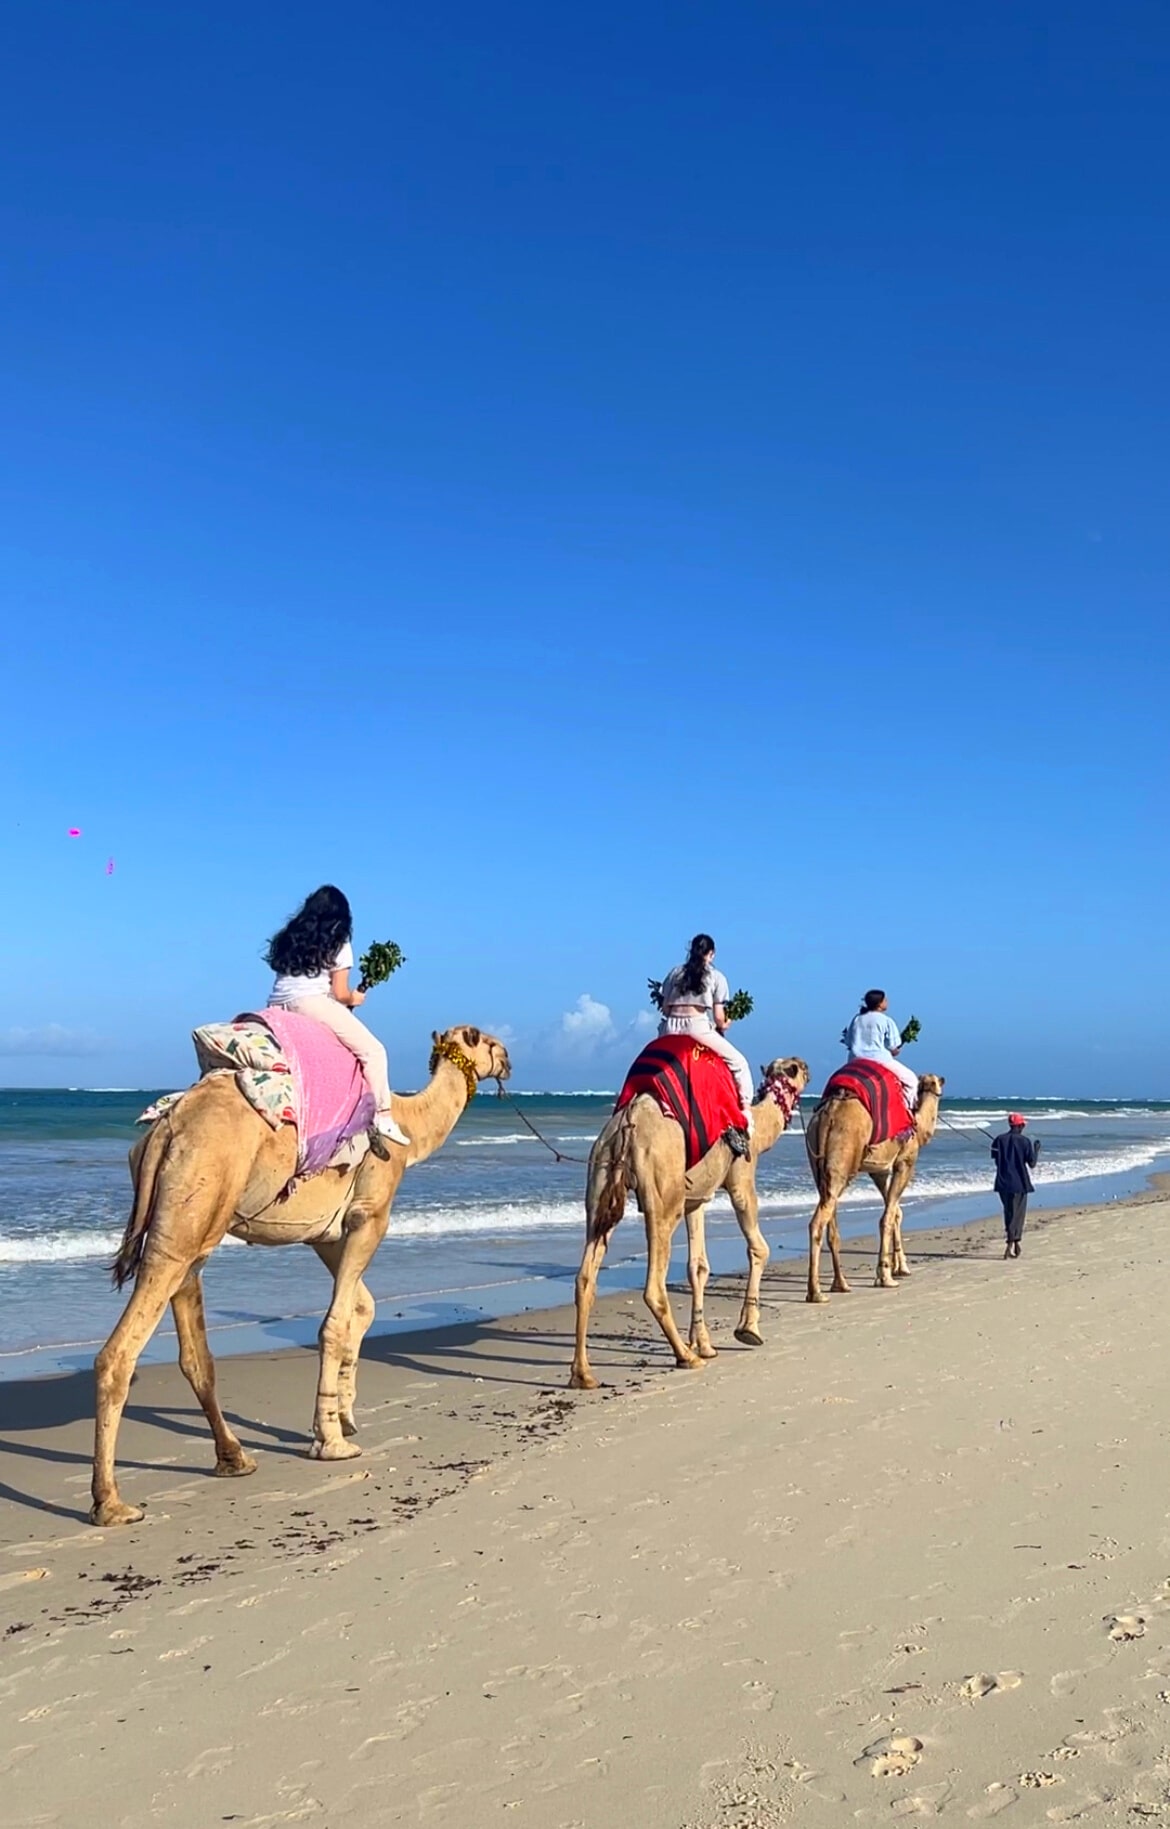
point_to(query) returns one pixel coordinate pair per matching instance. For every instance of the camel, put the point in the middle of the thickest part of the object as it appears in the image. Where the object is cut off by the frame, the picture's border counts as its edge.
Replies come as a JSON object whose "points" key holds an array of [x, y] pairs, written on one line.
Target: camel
{"points": [[838, 1149], [642, 1148], [212, 1166]]}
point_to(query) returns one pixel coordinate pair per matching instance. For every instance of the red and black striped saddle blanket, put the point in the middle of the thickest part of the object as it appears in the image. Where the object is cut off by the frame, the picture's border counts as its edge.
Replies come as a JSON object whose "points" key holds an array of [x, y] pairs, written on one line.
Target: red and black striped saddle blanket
{"points": [[690, 1084], [880, 1091]]}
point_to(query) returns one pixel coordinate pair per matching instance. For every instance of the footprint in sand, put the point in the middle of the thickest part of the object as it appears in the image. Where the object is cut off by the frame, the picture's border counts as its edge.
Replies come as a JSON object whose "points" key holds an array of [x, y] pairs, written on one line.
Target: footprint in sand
{"points": [[985, 1685], [1039, 1781], [892, 1756], [1125, 1626]]}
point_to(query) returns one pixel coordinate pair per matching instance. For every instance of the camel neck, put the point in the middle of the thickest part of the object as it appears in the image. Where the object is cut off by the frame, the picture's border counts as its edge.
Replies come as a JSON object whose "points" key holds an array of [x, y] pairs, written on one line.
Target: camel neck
{"points": [[428, 1117]]}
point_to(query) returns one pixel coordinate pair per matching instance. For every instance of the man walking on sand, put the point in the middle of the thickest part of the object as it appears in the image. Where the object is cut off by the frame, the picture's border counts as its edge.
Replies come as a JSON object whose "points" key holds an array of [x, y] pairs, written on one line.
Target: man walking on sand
{"points": [[1013, 1155]]}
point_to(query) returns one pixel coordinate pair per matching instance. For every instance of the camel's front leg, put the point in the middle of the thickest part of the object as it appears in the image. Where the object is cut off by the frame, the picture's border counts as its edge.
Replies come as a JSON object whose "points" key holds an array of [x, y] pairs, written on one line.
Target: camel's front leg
{"points": [[660, 1224], [884, 1181], [742, 1193], [364, 1233], [364, 1310], [698, 1271], [198, 1368], [113, 1370]]}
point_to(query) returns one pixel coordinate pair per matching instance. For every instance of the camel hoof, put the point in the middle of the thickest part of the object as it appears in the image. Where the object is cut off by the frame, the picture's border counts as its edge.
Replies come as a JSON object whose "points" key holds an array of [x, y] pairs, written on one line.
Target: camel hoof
{"points": [[692, 1363], [747, 1336], [348, 1426], [334, 1451], [841, 1289], [707, 1351], [582, 1381], [817, 1295], [902, 1270], [884, 1282], [235, 1470], [112, 1511]]}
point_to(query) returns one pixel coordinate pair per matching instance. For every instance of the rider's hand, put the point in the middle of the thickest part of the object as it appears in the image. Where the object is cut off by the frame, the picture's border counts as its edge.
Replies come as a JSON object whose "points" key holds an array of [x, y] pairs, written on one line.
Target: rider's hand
{"points": [[356, 997]]}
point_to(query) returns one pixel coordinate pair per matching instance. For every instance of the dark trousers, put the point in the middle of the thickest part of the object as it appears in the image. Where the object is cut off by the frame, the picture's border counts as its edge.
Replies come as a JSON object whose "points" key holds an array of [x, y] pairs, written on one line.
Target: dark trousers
{"points": [[1015, 1211]]}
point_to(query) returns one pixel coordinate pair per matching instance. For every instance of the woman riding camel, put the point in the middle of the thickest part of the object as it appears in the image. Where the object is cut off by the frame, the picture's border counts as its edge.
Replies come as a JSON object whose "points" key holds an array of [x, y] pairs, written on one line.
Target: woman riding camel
{"points": [[874, 1036], [312, 957], [693, 1000]]}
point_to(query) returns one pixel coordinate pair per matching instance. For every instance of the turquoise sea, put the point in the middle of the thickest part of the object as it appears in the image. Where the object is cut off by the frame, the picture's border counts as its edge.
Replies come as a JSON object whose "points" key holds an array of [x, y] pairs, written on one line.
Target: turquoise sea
{"points": [[490, 1225]]}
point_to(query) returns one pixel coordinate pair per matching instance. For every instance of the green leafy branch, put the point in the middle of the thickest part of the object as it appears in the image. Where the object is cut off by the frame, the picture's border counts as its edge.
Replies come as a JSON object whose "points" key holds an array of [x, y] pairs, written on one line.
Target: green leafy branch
{"points": [[912, 1031], [383, 958], [739, 1005]]}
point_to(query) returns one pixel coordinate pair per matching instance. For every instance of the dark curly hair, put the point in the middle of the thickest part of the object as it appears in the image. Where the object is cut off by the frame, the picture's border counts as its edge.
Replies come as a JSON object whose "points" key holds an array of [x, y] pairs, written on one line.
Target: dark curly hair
{"points": [[311, 941], [695, 970]]}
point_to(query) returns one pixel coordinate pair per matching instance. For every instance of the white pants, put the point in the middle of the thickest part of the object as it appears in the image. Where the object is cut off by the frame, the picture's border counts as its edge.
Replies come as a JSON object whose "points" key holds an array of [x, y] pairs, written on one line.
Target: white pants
{"points": [[907, 1075], [704, 1030], [357, 1038]]}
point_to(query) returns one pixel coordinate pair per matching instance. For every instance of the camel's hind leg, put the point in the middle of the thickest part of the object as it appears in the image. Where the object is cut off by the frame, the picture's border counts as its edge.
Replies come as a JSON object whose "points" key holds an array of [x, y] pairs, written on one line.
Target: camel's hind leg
{"points": [[198, 1368], [113, 1370], [660, 1227], [364, 1310], [581, 1375], [824, 1218], [698, 1271]]}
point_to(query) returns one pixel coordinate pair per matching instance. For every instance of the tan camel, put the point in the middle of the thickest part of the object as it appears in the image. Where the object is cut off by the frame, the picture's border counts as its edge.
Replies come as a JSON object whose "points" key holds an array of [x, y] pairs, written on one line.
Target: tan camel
{"points": [[643, 1149], [212, 1166], [838, 1142]]}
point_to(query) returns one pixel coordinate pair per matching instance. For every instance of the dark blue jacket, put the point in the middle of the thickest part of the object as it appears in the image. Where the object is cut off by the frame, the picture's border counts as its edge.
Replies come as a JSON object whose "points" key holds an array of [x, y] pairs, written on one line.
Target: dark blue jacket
{"points": [[1013, 1155]]}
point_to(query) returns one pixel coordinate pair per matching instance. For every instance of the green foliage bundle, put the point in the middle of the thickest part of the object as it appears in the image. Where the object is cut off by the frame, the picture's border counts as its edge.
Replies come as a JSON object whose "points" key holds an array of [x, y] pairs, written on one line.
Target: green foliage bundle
{"points": [[383, 958], [911, 1031], [739, 1005]]}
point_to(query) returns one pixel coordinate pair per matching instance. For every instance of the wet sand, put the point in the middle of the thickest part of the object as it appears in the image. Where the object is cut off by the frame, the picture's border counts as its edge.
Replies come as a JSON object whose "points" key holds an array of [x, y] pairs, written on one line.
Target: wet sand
{"points": [[908, 1559]]}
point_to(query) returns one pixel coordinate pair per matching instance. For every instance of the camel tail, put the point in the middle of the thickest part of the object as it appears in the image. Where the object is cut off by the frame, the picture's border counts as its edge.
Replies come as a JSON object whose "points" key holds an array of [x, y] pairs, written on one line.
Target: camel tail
{"points": [[609, 1177], [125, 1265]]}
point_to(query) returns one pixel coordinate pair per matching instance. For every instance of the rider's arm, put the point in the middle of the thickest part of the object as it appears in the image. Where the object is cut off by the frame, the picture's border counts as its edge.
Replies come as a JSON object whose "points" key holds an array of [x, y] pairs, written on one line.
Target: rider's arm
{"points": [[719, 1015], [340, 992]]}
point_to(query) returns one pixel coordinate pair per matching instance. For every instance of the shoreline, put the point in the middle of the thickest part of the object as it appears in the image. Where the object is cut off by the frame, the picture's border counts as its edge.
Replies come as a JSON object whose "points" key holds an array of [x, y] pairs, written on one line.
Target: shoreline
{"points": [[897, 1559], [409, 1311]]}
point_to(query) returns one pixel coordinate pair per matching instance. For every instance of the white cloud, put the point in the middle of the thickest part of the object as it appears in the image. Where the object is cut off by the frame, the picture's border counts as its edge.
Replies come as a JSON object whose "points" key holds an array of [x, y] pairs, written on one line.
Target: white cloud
{"points": [[588, 1024], [51, 1038], [644, 1023]]}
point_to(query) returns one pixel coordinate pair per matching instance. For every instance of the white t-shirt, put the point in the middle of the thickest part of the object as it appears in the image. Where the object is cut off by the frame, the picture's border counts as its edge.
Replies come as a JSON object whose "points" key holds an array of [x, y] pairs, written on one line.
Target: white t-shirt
{"points": [[291, 990], [714, 989]]}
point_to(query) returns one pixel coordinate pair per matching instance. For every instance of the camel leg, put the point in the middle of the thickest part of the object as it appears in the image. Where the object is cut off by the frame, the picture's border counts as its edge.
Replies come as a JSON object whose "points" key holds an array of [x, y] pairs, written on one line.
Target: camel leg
{"points": [[883, 1180], [747, 1210], [581, 1376], [198, 1368], [337, 1333], [659, 1232], [698, 1271], [839, 1285], [364, 1310], [901, 1265], [825, 1214], [113, 1370]]}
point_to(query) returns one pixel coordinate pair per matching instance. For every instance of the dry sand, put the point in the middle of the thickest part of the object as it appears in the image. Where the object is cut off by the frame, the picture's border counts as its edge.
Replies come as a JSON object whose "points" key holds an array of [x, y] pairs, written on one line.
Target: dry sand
{"points": [[909, 1559]]}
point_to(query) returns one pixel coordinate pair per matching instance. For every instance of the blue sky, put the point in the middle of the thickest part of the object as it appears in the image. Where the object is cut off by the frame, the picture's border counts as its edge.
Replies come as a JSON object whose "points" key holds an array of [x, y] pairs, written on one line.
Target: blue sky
{"points": [[576, 476]]}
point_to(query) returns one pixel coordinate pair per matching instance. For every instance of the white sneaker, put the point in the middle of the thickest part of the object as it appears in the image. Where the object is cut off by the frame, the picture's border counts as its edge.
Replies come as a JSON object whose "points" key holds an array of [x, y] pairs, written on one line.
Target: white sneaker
{"points": [[386, 1127]]}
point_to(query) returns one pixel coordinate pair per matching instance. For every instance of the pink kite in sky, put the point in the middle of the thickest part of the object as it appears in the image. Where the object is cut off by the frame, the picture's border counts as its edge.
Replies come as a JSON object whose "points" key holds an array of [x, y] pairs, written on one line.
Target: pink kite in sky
{"points": [[75, 831], [109, 866]]}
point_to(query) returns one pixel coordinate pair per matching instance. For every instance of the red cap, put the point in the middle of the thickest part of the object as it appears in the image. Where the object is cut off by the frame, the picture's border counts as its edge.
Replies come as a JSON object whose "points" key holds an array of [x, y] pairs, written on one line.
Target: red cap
{"points": [[1015, 1118]]}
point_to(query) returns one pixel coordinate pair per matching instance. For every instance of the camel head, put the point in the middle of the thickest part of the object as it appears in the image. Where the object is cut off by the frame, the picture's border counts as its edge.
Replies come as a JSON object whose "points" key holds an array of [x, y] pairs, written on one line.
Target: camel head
{"points": [[931, 1082], [478, 1056], [783, 1079]]}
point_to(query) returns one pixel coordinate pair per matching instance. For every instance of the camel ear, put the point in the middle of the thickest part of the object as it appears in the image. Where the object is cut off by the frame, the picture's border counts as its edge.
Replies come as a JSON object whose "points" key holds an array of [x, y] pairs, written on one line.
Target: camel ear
{"points": [[436, 1037], [473, 1037]]}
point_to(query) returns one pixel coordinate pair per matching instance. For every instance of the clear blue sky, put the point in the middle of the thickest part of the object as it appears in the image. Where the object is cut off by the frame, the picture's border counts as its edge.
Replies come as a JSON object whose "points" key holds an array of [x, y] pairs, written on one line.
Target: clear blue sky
{"points": [[573, 476]]}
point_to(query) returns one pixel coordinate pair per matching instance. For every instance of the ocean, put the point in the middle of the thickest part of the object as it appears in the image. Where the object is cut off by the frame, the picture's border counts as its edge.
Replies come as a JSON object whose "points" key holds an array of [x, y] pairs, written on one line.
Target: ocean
{"points": [[491, 1225]]}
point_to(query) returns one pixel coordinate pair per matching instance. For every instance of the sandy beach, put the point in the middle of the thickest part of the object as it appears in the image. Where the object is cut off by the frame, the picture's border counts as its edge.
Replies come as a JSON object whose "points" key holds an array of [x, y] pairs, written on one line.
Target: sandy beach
{"points": [[909, 1559]]}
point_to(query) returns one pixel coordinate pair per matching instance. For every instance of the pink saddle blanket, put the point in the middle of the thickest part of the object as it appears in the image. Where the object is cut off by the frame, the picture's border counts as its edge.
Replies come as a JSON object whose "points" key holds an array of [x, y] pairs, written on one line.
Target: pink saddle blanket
{"points": [[330, 1094]]}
